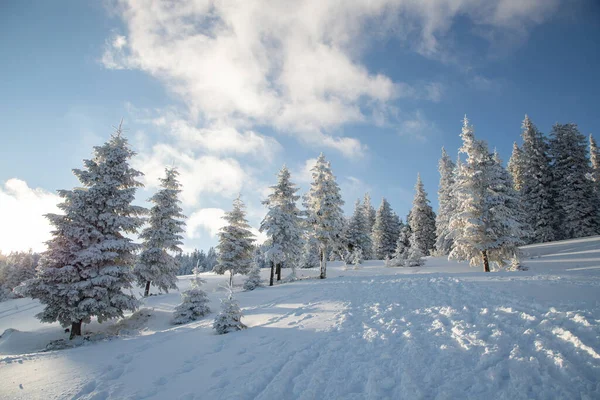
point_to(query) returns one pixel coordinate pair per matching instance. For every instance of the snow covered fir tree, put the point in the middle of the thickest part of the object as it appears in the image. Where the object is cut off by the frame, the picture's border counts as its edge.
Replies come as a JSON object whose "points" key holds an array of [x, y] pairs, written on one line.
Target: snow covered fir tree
{"points": [[532, 177], [162, 237], [195, 302], [283, 226], [385, 231], [86, 269], [485, 226], [422, 221], [325, 218], [230, 317], [358, 234], [447, 205], [235, 243], [573, 190], [254, 280]]}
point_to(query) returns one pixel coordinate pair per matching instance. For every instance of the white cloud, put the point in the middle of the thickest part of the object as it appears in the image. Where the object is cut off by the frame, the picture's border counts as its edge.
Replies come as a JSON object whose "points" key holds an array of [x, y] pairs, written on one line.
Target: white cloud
{"points": [[211, 220], [23, 225], [304, 174], [198, 174], [219, 139], [295, 66]]}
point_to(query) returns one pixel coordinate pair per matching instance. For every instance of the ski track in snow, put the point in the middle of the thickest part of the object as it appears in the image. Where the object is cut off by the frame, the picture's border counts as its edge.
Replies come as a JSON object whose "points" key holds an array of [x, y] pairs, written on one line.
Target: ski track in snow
{"points": [[366, 334]]}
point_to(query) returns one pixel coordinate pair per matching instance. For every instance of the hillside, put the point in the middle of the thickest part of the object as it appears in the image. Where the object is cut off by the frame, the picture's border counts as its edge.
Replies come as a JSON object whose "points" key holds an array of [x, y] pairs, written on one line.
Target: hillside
{"points": [[439, 331]]}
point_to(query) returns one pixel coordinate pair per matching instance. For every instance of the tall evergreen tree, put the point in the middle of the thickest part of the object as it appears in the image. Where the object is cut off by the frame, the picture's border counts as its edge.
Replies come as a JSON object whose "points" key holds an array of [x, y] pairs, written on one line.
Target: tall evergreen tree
{"points": [[235, 243], [324, 204], [88, 262], [369, 213], [283, 224], [574, 192], [515, 167], [384, 232], [422, 220], [483, 225], [507, 216], [358, 235], [536, 189], [162, 235], [443, 243]]}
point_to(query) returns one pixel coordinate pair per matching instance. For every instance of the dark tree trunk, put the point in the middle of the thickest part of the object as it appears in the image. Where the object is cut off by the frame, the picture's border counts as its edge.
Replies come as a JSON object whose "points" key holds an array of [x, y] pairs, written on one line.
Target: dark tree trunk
{"points": [[272, 273], [147, 291], [75, 330], [231, 279], [278, 271], [486, 262]]}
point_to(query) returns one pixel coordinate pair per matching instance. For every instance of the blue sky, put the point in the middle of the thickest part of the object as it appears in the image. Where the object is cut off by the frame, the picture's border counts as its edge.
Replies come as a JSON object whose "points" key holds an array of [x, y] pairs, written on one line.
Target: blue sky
{"points": [[229, 91]]}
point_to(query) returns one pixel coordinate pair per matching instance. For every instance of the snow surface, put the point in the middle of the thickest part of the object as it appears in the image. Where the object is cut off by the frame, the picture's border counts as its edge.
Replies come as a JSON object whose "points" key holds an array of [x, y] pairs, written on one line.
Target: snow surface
{"points": [[443, 331]]}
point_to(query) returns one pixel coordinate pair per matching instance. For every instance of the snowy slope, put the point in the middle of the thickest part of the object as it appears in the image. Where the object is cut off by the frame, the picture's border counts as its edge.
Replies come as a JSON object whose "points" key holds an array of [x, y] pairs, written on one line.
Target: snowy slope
{"points": [[439, 331]]}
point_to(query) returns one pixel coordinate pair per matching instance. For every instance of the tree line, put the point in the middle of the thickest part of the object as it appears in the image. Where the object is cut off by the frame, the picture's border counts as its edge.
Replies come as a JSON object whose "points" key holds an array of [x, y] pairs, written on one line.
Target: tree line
{"points": [[549, 191]]}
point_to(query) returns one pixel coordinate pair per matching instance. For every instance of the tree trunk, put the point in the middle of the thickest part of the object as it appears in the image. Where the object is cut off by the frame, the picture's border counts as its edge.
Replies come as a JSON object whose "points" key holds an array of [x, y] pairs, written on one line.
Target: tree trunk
{"points": [[486, 262], [323, 264], [278, 271], [75, 330], [231, 279], [272, 273], [147, 291]]}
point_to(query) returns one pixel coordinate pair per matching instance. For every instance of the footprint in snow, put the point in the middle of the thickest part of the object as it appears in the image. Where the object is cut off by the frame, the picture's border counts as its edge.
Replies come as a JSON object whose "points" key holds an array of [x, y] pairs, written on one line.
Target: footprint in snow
{"points": [[125, 358], [218, 372]]}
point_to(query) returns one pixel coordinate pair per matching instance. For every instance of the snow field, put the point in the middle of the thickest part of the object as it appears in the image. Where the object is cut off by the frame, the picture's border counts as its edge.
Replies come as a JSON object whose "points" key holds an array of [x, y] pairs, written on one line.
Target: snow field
{"points": [[440, 331]]}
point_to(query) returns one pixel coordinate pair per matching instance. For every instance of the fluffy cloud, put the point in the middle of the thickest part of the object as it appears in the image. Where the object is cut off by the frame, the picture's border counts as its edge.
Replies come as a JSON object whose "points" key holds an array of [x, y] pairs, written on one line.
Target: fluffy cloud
{"points": [[294, 66], [203, 174], [207, 219], [215, 139], [23, 225], [210, 220]]}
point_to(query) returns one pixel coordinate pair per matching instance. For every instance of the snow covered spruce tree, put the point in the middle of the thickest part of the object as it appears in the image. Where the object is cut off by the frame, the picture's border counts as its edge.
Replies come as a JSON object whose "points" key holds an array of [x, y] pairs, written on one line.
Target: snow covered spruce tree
{"points": [[310, 251], [369, 214], [323, 204], [484, 226], [358, 236], [283, 225], [88, 262], [162, 236], [230, 317], [422, 220], [574, 192], [235, 248], [194, 304], [536, 186], [414, 255], [402, 248], [384, 231], [253, 281], [443, 243], [515, 167], [507, 215]]}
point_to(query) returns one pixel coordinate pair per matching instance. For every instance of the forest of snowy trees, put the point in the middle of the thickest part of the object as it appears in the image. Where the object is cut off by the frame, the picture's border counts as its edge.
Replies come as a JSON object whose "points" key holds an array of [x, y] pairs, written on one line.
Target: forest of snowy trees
{"points": [[550, 190]]}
